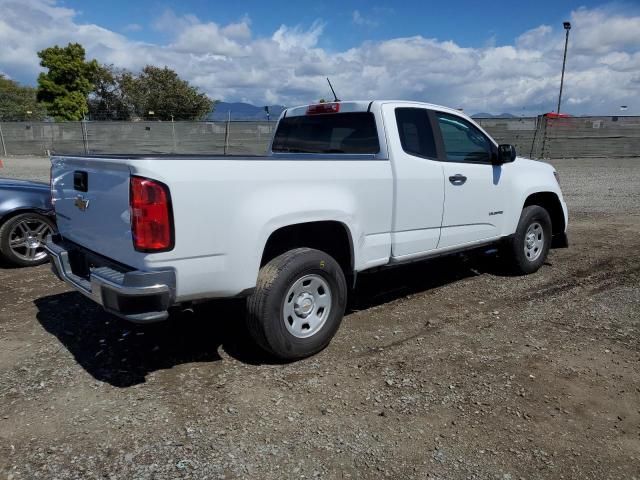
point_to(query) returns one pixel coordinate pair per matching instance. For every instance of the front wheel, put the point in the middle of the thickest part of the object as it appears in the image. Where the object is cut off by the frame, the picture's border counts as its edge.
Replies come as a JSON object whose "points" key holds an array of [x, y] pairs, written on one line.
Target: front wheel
{"points": [[528, 248], [298, 303]]}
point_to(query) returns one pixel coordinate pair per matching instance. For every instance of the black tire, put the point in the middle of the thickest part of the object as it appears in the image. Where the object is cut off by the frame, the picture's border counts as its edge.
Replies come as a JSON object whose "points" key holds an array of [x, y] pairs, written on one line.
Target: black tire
{"points": [[520, 260], [7, 254], [265, 307]]}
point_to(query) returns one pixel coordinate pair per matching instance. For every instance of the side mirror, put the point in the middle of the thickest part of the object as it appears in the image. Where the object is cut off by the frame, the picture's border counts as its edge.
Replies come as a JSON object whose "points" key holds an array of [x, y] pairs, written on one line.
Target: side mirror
{"points": [[506, 154]]}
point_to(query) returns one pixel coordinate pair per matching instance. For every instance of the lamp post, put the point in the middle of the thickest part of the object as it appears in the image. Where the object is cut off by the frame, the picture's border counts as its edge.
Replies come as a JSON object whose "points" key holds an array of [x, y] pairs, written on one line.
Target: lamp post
{"points": [[567, 27]]}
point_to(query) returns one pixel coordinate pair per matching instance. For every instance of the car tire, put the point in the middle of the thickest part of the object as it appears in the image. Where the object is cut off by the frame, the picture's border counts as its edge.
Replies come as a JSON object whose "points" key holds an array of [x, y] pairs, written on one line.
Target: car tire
{"points": [[527, 250], [298, 304], [32, 228]]}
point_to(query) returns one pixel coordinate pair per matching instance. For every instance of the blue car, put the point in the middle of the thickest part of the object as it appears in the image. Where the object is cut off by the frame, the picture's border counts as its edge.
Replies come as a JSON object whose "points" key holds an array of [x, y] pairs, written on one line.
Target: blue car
{"points": [[26, 218]]}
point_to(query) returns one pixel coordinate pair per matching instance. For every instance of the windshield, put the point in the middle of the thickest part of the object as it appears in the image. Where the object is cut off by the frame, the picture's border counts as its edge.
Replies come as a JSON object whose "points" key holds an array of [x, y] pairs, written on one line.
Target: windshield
{"points": [[353, 132]]}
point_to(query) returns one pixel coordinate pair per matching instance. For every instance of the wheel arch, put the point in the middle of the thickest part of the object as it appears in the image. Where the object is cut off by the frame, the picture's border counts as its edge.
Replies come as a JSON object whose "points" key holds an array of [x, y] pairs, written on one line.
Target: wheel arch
{"points": [[9, 214], [331, 236], [551, 203]]}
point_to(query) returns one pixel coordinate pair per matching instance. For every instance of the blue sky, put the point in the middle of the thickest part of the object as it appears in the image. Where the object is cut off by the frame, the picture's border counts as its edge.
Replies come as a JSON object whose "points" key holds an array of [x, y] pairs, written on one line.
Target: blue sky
{"points": [[467, 22], [480, 56]]}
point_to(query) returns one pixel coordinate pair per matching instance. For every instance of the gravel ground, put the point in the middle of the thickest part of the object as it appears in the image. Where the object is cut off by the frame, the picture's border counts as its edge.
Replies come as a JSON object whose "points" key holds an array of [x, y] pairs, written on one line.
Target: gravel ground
{"points": [[27, 167], [446, 370]]}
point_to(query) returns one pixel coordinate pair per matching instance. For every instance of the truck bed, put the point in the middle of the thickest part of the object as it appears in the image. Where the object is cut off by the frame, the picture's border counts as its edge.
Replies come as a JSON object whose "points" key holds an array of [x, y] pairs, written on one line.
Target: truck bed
{"points": [[224, 209]]}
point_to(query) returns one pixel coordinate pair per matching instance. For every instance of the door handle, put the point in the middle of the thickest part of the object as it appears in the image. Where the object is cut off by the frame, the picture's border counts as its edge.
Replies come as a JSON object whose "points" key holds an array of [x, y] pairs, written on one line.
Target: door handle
{"points": [[457, 179]]}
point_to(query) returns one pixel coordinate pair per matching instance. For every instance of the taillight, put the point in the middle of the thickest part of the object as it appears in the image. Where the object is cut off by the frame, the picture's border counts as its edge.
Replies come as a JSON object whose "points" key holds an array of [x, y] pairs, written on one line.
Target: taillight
{"points": [[323, 108], [151, 216]]}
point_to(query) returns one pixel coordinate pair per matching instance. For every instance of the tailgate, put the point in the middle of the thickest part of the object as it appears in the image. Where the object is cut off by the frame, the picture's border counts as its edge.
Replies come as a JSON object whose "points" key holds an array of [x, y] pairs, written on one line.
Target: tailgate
{"points": [[91, 199]]}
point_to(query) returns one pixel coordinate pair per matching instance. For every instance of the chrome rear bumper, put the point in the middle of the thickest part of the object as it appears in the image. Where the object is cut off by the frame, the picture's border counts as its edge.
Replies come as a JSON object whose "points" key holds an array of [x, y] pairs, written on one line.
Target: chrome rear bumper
{"points": [[134, 295]]}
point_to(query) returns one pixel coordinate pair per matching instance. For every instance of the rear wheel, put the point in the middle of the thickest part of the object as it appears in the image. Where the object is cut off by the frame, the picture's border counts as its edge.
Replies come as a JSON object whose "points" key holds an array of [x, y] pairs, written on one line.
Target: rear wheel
{"points": [[22, 239], [298, 303], [528, 248]]}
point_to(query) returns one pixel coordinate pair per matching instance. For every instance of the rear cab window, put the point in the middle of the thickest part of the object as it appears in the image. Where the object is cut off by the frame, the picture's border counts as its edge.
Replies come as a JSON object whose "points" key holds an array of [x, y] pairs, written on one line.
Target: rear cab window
{"points": [[350, 132]]}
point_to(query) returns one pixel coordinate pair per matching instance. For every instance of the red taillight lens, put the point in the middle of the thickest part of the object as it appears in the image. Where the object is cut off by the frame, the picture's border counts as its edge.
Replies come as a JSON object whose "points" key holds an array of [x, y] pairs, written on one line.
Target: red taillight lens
{"points": [[323, 108], [151, 222]]}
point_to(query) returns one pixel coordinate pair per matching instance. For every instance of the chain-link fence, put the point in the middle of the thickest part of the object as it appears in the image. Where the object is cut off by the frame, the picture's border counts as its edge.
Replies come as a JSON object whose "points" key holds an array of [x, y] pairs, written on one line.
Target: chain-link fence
{"points": [[536, 137], [569, 137], [520, 132], [40, 138], [596, 136]]}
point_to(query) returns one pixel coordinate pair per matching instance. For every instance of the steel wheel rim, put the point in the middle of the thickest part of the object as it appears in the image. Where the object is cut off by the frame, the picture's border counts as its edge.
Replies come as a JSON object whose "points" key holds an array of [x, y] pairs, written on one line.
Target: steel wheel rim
{"points": [[533, 242], [26, 239], [307, 306]]}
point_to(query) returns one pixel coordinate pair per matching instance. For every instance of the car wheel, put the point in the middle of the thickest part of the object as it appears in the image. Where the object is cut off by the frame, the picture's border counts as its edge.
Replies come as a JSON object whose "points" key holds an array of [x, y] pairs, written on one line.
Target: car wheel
{"points": [[22, 239], [528, 248], [298, 303]]}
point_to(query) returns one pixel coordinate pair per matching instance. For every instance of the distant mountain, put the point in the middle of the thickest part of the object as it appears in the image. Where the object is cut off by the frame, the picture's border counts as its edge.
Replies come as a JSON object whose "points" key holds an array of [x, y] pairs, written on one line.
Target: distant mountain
{"points": [[489, 115], [243, 111]]}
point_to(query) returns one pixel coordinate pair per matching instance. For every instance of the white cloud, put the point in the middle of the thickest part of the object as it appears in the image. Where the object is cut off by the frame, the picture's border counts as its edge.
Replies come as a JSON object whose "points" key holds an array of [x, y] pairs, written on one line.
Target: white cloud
{"points": [[240, 31], [535, 38], [602, 31], [289, 38], [132, 27], [289, 67], [359, 19], [168, 21], [206, 38]]}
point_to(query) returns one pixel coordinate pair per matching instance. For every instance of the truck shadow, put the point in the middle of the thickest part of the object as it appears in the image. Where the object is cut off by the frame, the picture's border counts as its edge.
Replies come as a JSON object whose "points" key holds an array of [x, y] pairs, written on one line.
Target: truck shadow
{"points": [[123, 354], [4, 265], [390, 284]]}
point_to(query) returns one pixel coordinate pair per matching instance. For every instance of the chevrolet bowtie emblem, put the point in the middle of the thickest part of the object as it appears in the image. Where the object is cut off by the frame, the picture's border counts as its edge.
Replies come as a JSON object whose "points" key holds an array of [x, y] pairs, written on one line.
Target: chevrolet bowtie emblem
{"points": [[81, 202]]}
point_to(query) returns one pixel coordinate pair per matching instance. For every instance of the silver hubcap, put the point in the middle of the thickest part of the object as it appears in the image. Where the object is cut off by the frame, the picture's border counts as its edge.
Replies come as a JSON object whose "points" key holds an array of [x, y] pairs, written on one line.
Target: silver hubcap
{"points": [[533, 241], [26, 239], [307, 306]]}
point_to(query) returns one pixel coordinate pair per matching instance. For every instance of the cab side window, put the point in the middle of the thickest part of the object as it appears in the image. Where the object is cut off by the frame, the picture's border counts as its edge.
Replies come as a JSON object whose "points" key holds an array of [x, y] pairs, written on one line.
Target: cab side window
{"points": [[463, 142]]}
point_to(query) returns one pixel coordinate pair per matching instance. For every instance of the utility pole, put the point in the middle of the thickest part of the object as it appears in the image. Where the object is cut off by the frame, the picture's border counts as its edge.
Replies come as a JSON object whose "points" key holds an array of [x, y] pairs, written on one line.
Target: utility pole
{"points": [[226, 133], [4, 146], [567, 27], [85, 136], [173, 134]]}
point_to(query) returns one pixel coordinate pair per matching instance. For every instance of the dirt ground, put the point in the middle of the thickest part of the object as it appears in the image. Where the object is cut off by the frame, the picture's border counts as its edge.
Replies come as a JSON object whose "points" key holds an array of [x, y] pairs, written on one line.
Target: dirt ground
{"points": [[446, 370]]}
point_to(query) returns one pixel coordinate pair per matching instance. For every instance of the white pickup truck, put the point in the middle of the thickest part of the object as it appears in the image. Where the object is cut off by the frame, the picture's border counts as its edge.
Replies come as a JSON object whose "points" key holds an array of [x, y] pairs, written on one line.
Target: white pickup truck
{"points": [[346, 187]]}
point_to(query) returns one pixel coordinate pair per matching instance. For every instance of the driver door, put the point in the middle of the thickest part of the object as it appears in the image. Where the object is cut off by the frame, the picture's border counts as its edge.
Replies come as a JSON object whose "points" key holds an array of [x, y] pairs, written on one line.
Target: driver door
{"points": [[474, 188]]}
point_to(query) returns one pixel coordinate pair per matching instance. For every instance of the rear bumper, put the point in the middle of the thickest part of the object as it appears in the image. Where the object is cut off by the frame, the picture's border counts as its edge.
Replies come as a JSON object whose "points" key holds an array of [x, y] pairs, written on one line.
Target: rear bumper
{"points": [[134, 295]]}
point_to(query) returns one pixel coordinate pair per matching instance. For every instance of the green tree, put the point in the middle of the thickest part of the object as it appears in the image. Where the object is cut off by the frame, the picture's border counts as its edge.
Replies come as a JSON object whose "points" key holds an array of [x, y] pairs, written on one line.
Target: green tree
{"points": [[66, 85], [163, 92], [108, 100], [18, 102], [122, 95]]}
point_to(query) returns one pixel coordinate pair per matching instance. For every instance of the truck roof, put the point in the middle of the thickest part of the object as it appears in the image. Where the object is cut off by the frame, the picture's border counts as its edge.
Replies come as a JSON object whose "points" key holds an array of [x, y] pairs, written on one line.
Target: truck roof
{"points": [[366, 105]]}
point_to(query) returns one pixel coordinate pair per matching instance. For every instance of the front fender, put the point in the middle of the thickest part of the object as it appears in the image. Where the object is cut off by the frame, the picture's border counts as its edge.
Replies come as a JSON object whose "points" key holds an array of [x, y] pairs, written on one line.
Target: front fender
{"points": [[533, 177]]}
